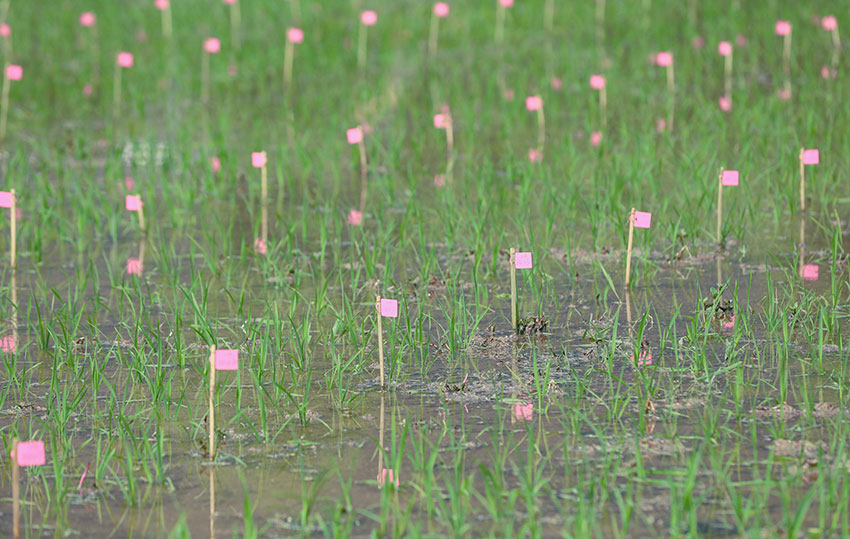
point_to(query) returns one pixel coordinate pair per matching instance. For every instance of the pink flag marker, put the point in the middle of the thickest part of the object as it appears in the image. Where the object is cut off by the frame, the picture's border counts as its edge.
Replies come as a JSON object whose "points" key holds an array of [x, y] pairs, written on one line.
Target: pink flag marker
{"points": [[440, 180], [442, 121], [14, 72], [229, 2], [8, 345], [533, 103], [782, 28], [441, 9], [724, 48], [5, 199], [524, 411], [258, 159], [212, 45], [30, 453], [295, 35], [125, 59], [369, 18], [161, 5], [215, 164], [87, 19], [596, 138], [260, 246], [506, 3], [5, 30], [133, 202], [644, 358], [535, 155], [810, 272], [354, 135], [226, 360], [729, 177], [724, 103], [387, 475], [354, 218], [642, 219], [597, 82], [389, 308], [134, 266], [523, 260], [811, 157], [664, 59], [829, 23]]}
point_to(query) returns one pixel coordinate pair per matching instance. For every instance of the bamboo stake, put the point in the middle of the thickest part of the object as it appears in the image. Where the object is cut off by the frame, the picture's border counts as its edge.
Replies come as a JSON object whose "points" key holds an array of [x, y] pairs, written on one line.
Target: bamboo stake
{"points": [[629, 247], [212, 403], [380, 340], [513, 289], [16, 492]]}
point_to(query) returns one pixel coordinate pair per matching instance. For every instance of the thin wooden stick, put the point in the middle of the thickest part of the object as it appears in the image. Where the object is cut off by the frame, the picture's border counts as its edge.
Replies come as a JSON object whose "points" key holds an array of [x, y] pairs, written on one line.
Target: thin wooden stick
{"points": [[288, 60], [166, 22], [671, 88], [629, 247], [719, 206], [264, 211], [513, 289], [380, 340], [13, 232], [16, 492], [786, 63], [141, 213], [363, 174], [450, 161], [603, 105], [802, 183], [212, 403], [212, 503]]}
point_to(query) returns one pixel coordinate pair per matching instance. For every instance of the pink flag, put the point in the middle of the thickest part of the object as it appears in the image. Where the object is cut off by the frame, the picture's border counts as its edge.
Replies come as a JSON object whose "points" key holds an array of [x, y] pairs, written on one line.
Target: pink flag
{"points": [[440, 180], [354, 135], [442, 121], [664, 59], [387, 475], [724, 48], [596, 138], [533, 103], [524, 411], [389, 308], [125, 59], [212, 45], [215, 164], [729, 177], [535, 155], [14, 72], [724, 103], [5, 30], [5, 199], [87, 19], [134, 266], [260, 246], [810, 272], [354, 218], [811, 157], [644, 358], [441, 9], [226, 360], [133, 202], [506, 3], [295, 35], [258, 159], [597, 82], [522, 260], [829, 23], [8, 345], [783, 28], [642, 219], [369, 18], [229, 2], [30, 453], [161, 5]]}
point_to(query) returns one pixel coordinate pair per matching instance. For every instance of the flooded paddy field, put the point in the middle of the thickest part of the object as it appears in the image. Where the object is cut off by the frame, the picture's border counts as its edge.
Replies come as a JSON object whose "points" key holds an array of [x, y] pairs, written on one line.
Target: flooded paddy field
{"points": [[707, 398]]}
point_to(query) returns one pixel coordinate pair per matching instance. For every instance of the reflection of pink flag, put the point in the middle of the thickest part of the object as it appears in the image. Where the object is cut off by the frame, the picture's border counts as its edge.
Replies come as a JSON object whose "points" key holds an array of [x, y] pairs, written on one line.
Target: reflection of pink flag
{"points": [[30, 453], [811, 157], [644, 358], [522, 260], [524, 411], [389, 308], [260, 246], [133, 202], [226, 360], [642, 219], [729, 177], [5, 199], [810, 272], [388, 475], [729, 324], [8, 345], [134, 266]]}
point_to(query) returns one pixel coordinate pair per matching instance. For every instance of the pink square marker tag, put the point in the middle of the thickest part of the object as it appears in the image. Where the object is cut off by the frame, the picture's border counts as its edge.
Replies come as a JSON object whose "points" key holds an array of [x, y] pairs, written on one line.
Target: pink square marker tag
{"points": [[533, 103], [87, 19], [354, 218], [5, 30], [523, 260], [724, 48], [226, 360], [729, 177], [829, 23], [212, 45], [810, 272], [783, 28], [30, 453], [134, 266], [441, 121], [369, 18], [811, 157], [295, 35], [5, 199], [14, 72], [642, 219], [8, 345], [354, 135], [524, 411], [133, 202], [506, 3], [161, 5], [387, 475], [258, 159], [597, 82], [125, 59], [664, 59], [441, 10], [389, 308]]}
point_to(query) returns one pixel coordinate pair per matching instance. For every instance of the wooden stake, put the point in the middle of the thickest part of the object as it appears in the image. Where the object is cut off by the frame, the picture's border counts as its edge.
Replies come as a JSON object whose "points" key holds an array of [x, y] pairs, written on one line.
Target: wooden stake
{"points": [[212, 403], [513, 288], [433, 35], [802, 183], [264, 211], [380, 340], [719, 206], [141, 213], [288, 60], [166, 22], [212, 503], [16, 492], [629, 247], [13, 231], [786, 63], [363, 175]]}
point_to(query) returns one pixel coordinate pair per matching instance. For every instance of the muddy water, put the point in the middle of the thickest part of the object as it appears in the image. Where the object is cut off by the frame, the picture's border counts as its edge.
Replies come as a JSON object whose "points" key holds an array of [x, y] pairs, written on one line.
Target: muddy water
{"points": [[551, 418]]}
